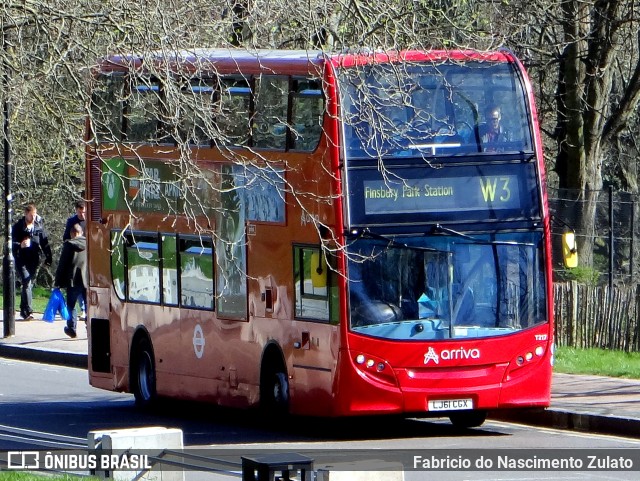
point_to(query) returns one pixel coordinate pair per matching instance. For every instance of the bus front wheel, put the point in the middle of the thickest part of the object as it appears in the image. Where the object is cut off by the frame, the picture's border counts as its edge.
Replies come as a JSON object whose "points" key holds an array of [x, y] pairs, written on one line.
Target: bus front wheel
{"points": [[144, 374], [468, 419]]}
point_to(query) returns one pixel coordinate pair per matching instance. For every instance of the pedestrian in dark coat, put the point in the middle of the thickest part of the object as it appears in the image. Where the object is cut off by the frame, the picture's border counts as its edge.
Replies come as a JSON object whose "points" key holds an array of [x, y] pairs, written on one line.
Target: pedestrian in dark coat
{"points": [[77, 218], [71, 274], [30, 244]]}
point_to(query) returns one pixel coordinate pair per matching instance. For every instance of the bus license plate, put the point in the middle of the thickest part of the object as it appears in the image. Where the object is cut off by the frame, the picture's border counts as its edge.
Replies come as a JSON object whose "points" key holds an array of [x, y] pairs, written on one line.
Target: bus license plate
{"points": [[450, 404]]}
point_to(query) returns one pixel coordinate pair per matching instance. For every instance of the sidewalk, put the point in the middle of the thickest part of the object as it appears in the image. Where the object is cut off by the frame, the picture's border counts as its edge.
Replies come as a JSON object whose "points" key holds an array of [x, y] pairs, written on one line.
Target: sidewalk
{"points": [[45, 342], [585, 403]]}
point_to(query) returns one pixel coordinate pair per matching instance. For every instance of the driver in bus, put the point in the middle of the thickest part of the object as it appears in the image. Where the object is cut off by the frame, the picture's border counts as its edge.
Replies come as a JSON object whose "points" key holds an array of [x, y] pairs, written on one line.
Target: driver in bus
{"points": [[493, 132]]}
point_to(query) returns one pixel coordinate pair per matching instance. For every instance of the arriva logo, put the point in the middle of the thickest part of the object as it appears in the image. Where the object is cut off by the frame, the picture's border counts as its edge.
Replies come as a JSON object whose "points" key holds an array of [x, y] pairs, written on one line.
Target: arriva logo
{"points": [[448, 354], [431, 355]]}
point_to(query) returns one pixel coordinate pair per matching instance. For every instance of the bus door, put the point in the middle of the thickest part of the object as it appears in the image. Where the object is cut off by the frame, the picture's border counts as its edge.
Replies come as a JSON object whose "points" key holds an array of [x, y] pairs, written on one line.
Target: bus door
{"points": [[191, 286], [315, 343]]}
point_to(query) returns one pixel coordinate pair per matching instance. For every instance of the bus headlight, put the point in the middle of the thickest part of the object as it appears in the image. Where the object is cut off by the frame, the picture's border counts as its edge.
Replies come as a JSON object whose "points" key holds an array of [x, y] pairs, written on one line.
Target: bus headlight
{"points": [[523, 359], [374, 368]]}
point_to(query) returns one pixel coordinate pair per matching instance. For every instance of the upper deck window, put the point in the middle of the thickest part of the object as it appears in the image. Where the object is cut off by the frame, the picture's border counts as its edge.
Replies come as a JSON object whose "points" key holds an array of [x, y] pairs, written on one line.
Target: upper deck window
{"points": [[277, 112], [400, 110], [197, 103], [106, 107], [307, 112], [269, 127], [142, 111], [235, 112]]}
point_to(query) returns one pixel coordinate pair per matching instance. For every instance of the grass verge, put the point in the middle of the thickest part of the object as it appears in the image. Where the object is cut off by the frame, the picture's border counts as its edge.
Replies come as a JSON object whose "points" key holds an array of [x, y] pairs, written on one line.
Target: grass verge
{"points": [[601, 362], [40, 299]]}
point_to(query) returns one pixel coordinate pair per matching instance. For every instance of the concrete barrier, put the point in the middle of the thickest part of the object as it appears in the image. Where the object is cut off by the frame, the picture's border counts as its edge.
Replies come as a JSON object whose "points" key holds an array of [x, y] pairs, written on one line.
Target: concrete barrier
{"points": [[144, 442]]}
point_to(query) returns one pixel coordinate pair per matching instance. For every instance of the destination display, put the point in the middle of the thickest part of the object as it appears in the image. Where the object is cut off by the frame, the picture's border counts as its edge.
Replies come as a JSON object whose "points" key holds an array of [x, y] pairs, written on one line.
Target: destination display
{"points": [[441, 195], [476, 193]]}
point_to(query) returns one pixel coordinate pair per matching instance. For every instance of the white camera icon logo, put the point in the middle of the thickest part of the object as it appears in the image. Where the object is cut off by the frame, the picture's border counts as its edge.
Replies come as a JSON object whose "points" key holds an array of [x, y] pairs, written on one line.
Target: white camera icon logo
{"points": [[23, 460]]}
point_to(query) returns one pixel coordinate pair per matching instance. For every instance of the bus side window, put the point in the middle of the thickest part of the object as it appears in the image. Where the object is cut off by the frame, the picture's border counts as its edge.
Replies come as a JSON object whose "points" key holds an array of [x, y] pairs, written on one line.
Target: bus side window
{"points": [[269, 128], [142, 112], [307, 112], [196, 273], [143, 267], [169, 270], [118, 264], [106, 107], [233, 117], [196, 112], [310, 283]]}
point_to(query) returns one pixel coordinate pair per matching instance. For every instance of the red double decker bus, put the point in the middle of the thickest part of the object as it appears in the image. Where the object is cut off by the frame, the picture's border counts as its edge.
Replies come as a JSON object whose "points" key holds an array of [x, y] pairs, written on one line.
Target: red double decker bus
{"points": [[319, 234]]}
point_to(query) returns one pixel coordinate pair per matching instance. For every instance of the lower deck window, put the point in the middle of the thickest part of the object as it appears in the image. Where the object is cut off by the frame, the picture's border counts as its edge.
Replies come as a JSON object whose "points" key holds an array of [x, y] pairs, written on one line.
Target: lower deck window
{"points": [[143, 268], [196, 273], [163, 269], [314, 291]]}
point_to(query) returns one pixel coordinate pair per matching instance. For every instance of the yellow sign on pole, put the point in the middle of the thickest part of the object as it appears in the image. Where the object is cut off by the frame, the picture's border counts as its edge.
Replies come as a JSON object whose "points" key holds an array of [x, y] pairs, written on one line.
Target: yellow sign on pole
{"points": [[569, 250]]}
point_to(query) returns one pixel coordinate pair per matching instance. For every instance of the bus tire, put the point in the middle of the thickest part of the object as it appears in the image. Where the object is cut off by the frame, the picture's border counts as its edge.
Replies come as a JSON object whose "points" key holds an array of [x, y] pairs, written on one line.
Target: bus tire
{"points": [[274, 391], [468, 419], [143, 374]]}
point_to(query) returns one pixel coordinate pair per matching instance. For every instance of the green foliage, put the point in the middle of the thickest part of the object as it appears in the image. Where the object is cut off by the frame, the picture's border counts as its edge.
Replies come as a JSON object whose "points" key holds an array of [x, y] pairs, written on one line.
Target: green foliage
{"points": [[599, 362], [581, 274]]}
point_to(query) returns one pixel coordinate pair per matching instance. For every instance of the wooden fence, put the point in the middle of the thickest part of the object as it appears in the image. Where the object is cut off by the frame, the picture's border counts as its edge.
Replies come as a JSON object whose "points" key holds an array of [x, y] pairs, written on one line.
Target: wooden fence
{"points": [[588, 316]]}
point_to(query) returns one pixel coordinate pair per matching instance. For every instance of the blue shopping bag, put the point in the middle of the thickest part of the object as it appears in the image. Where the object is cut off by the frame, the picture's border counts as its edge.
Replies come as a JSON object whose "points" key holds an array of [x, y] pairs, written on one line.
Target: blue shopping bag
{"points": [[56, 304], [52, 306]]}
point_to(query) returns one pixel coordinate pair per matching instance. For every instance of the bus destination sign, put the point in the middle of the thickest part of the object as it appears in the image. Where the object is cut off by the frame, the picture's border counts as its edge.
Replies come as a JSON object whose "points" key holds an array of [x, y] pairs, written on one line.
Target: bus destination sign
{"points": [[443, 194]]}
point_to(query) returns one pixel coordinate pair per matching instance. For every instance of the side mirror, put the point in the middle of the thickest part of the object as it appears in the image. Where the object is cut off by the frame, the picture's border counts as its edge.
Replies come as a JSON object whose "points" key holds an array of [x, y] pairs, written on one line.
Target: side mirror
{"points": [[569, 250]]}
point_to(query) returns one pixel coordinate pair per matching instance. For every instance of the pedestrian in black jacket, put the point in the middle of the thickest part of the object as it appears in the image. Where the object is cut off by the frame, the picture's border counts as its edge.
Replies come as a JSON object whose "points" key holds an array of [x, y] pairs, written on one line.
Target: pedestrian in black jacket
{"points": [[71, 274], [77, 218], [30, 244]]}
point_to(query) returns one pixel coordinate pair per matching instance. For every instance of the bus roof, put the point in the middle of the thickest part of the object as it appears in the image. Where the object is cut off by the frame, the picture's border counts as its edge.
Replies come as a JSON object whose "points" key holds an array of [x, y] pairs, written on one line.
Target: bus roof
{"points": [[227, 60], [290, 62], [351, 59]]}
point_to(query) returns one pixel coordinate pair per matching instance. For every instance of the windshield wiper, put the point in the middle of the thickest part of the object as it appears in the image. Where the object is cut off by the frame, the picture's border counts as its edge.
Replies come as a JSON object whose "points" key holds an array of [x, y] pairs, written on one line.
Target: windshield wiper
{"points": [[367, 233], [475, 240]]}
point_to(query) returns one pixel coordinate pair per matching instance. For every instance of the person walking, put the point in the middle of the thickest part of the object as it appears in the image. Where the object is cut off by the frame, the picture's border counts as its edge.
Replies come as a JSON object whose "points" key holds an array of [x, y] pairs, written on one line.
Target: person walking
{"points": [[71, 274], [29, 242], [77, 218]]}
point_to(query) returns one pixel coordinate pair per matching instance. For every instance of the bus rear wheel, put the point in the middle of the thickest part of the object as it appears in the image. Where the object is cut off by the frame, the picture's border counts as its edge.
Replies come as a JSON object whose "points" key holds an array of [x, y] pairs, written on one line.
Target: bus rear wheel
{"points": [[274, 392], [468, 419], [143, 374]]}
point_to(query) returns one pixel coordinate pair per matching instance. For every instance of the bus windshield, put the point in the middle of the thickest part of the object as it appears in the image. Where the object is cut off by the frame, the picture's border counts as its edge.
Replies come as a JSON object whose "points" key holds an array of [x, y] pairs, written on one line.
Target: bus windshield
{"points": [[446, 286], [433, 109]]}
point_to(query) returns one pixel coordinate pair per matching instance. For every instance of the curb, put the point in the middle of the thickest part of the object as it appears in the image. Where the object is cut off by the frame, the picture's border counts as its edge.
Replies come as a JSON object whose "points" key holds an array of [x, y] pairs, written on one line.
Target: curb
{"points": [[573, 421], [47, 356]]}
